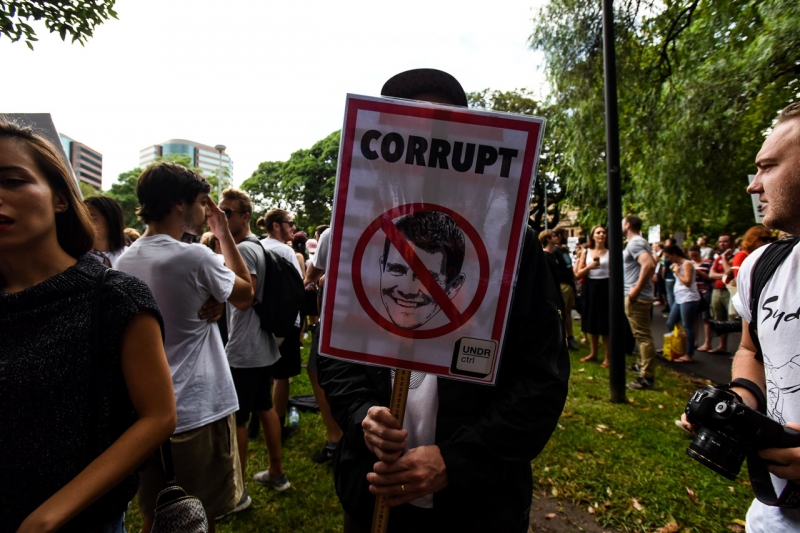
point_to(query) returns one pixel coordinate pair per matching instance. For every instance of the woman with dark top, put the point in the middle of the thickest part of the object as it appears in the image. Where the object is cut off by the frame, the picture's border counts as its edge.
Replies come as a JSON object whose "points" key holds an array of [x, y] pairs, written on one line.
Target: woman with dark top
{"points": [[704, 286], [86, 394], [109, 229], [593, 265]]}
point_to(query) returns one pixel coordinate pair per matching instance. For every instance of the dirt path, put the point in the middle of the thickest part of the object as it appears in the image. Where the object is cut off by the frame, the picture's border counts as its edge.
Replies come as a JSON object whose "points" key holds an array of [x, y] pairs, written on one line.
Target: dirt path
{"points": [[549, 515]]}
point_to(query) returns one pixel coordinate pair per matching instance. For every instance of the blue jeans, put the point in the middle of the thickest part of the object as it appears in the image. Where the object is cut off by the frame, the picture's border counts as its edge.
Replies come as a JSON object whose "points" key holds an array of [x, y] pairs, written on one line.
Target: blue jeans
{"points": [[670, 284], [115, 525], [686, 313]]}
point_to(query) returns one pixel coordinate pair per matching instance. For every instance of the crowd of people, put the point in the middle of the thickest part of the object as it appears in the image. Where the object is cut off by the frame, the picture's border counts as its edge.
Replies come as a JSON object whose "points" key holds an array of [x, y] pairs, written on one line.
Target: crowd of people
{"points": [[694, 282], [124, 344]]}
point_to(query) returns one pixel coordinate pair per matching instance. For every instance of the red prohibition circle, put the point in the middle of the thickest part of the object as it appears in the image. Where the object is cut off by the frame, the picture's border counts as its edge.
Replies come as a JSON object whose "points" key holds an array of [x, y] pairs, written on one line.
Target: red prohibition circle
{"points": [[358, 284]]}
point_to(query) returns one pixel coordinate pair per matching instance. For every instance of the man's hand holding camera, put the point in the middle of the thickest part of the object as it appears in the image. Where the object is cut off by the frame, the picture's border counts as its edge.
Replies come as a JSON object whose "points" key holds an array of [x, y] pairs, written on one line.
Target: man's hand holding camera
{"points": [[399, 477]]}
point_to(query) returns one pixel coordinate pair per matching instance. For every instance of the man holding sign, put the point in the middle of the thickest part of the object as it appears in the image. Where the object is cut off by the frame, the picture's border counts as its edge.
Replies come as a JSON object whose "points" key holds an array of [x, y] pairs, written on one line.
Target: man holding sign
{"points": [[461, 459]]}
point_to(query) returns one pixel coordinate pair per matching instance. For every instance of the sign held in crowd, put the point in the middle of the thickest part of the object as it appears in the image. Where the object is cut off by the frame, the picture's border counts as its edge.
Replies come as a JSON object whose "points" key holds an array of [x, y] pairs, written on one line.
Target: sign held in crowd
{"points": [[431, 203]]}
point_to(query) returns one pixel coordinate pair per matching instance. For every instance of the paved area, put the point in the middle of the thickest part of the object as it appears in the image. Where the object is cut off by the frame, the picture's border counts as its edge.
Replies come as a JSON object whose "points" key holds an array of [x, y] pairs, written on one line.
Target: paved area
{"points": [[717, 368]]}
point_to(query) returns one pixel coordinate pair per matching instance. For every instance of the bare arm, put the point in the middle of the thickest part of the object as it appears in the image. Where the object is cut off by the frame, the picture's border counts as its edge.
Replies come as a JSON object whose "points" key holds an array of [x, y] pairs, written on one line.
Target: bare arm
{"points": [[582, 268], [242, 294], [745, 365], [149, 383], [645, 273], [685, 273], [313, 274]]}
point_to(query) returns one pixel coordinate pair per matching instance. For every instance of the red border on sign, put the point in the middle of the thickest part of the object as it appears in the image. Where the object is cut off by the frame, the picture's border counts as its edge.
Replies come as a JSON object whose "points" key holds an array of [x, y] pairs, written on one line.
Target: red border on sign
{"points": [[355, 104], [457, 319]]}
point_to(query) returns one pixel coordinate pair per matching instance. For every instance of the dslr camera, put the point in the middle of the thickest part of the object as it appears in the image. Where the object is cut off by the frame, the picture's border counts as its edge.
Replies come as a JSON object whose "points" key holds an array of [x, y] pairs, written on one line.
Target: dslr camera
{"points": [[729, 431]]}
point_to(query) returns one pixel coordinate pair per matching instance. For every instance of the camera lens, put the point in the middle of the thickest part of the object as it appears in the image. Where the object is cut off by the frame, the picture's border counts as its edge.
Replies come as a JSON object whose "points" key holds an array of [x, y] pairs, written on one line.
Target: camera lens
{"points": [[721, 454]]}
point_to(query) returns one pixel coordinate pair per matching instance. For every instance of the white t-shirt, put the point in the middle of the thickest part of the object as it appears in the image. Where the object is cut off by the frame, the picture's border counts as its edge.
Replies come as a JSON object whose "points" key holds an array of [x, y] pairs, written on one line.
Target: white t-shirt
{"points": [[779, 335], [420, 418], [182, 277], [285, 251], [323, 248], [249, 346]]}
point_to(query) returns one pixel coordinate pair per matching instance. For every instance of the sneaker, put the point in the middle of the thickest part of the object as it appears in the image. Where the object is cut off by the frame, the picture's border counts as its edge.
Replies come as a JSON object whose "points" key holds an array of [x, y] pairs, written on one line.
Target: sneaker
{"points": [[641, 384], [573, 344], [287, 432], [280, 483], [633, 368], [244, 503], [325, 454]]}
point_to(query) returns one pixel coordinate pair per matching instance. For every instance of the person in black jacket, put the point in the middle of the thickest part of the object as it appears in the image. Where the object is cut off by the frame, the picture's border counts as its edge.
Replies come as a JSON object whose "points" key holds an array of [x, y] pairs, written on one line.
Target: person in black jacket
{"points": [[478, 469]]}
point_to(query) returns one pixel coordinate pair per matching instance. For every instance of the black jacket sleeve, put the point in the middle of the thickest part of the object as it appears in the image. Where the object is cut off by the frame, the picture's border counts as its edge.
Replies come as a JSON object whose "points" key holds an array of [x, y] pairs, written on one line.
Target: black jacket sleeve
{"points": [[519, 414]]}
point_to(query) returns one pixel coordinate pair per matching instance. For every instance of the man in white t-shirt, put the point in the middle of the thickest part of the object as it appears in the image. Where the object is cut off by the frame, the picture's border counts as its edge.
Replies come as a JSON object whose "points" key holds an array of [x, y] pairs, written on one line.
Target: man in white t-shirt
{"points": [[252, 351], [182, 278], [777, 373], [280, 226]]}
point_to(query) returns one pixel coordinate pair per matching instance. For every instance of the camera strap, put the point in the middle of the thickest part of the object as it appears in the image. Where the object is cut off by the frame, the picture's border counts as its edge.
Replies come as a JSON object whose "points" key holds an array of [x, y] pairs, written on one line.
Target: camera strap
{"points": [[763, 488]]}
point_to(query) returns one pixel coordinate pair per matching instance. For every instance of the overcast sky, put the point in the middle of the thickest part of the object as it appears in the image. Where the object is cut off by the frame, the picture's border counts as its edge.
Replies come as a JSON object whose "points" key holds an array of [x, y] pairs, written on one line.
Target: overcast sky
{"points": [[263, 78]]}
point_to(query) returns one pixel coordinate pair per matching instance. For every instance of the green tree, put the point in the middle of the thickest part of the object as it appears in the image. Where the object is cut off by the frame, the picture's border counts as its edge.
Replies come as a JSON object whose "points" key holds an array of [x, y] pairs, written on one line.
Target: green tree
{"points": [[74, 18], [87, 191], [699, 84], [550, 173], [124, 191], [302, 185]]}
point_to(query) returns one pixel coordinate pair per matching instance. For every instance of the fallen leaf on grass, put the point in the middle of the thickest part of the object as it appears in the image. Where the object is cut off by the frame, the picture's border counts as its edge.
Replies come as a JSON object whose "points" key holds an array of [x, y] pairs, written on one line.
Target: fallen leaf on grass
{"points": [[730, 489], [660, 406], [590, 510], [600, 428], [735, 528], [560, 426], [631, 400], [636, 504], [647, 408], [582, 370], [590, 378], [550, 516], [670, 527], [608, 490], [691, 493], [554, 492], [580, 457], [601, 462], [547, 469], [739, 522]]}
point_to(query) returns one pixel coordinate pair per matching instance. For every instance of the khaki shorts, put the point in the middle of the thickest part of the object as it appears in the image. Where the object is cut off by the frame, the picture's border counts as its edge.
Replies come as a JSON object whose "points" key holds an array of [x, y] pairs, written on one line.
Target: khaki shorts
{"points": [[568, 293], [206, 466]]}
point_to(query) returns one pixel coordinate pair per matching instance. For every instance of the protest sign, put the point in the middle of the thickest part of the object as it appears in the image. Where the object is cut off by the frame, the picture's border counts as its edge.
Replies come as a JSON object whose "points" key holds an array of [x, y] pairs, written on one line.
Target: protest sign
{"points": [[429, 215]]}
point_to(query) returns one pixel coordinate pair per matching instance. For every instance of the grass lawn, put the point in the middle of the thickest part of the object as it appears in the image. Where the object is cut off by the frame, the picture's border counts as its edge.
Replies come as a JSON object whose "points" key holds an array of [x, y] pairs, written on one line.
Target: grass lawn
{"points": [[625, 462], [628, 462]]}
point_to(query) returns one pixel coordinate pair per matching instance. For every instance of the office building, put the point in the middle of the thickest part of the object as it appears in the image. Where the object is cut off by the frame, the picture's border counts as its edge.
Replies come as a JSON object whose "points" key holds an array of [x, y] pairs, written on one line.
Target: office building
{"points": [[86, 162], [202, 156]]}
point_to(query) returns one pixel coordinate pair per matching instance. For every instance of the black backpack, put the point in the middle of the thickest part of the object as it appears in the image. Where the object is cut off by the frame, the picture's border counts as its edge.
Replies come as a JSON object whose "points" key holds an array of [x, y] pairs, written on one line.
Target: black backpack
{"points": [[282, 293], [763, 270]]}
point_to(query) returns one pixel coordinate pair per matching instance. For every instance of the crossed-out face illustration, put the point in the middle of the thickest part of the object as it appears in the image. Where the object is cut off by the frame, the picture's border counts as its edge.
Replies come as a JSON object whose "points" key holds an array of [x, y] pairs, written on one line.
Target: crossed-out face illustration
{"points": [[439, 243]]}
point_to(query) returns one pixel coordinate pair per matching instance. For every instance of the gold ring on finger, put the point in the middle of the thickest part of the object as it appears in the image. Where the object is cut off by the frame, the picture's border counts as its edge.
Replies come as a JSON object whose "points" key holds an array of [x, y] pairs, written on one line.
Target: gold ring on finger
{"points": [[403, 488]]}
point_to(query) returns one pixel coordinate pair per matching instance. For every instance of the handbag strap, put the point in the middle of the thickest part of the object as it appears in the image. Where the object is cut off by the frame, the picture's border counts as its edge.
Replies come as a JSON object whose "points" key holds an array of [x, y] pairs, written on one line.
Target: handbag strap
{"points": [[166, 460], [97, 361]]}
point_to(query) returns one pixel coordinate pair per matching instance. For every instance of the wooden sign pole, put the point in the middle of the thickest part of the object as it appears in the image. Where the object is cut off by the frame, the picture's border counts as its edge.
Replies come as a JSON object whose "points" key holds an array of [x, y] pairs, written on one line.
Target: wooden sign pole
{"points": [[397, 406]]}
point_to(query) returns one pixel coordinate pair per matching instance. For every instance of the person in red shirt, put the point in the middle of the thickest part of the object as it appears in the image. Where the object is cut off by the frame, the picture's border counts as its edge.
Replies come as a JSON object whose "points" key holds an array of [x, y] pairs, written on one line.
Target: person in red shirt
{"points": [[721, 298]]}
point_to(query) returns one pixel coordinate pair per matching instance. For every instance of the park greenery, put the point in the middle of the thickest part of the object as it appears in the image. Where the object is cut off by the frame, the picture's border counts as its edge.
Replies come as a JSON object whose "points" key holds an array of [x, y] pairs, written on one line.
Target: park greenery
{"points": [[68, 18], [700, 82], [303, 185]]}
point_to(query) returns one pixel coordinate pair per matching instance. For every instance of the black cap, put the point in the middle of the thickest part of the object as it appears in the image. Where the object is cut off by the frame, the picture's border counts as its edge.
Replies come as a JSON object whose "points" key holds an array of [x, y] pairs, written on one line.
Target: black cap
{"points": [[425, 80]]}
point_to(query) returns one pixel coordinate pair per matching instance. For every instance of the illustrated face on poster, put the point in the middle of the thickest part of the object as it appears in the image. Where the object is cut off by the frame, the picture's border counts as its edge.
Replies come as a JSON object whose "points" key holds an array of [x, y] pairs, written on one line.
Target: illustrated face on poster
{"points": [[439, 243], [430, 210]]}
